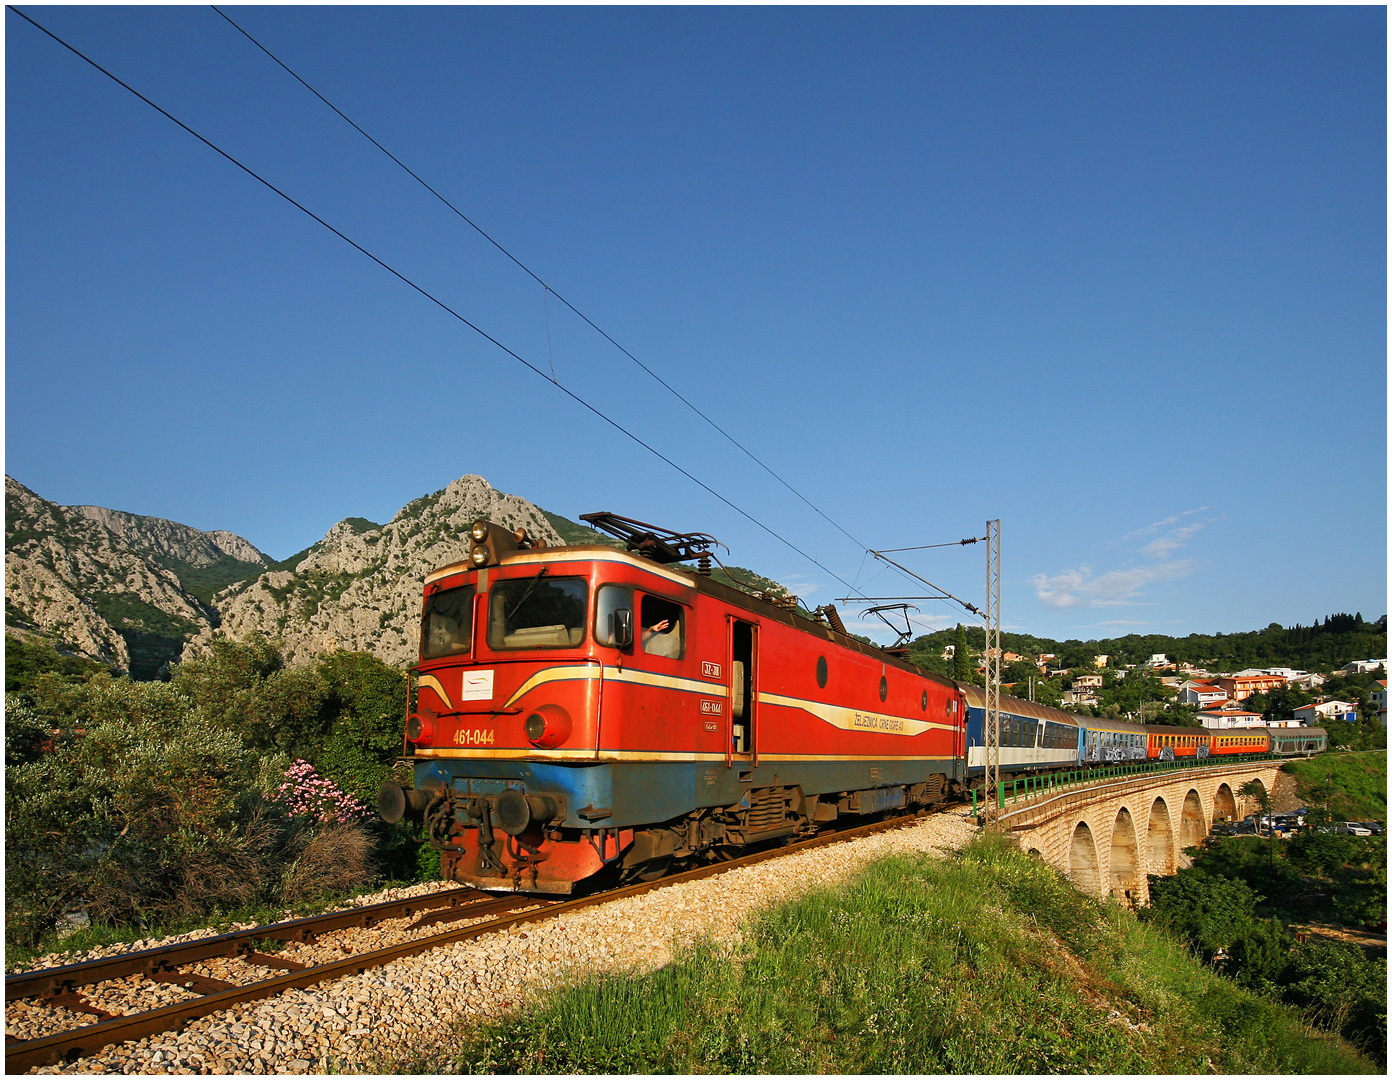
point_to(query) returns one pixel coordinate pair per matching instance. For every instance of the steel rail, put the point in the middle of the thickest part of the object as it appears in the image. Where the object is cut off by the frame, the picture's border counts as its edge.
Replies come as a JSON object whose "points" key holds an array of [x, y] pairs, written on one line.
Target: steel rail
{"points": [[27, 984], [79, 1042]]}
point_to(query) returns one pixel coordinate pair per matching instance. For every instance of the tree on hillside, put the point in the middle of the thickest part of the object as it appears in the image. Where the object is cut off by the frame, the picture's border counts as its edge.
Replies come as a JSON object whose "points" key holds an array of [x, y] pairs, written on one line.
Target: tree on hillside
{"points": [[961, 657]]}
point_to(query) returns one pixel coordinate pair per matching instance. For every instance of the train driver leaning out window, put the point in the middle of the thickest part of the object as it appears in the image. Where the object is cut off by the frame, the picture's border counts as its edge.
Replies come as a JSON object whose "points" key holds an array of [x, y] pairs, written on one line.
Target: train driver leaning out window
{"points": [[662, 627]]}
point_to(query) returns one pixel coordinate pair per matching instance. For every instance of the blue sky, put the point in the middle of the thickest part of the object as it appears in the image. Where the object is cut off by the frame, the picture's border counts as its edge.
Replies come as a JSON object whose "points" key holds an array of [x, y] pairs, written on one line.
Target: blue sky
{"points": [[1116, 276]]}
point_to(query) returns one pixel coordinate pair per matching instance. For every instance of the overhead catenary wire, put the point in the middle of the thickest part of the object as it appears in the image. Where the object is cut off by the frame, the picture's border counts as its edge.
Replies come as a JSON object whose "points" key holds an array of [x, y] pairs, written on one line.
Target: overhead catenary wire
{"points": [[430, 296], [535, 277]]}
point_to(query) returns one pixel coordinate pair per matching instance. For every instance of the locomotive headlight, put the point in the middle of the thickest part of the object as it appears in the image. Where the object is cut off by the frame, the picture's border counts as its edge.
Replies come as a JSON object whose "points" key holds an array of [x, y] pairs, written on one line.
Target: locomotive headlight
{"points": [[479, 531], [479, 555], [548, 727], [420, 727]]}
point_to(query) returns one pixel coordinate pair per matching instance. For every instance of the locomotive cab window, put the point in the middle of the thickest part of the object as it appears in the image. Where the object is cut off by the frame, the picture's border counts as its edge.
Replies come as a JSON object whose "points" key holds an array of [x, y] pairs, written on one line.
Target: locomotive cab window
{"points": [[663, 624], [447, 627], [609, 600], [538, 612]]}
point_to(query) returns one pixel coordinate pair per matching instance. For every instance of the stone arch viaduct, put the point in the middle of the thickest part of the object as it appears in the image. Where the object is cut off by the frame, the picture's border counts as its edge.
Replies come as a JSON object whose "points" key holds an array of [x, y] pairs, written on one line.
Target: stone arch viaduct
{"points": [[1107, 837]]}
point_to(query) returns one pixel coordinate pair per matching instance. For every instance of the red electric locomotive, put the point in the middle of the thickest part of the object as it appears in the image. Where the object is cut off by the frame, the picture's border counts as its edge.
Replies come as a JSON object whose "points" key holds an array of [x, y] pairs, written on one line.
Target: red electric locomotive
{"points": [[590, 709]]}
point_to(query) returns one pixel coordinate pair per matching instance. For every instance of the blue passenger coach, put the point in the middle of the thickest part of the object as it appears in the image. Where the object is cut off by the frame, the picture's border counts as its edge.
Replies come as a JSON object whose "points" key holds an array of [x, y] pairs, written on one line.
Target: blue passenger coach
{"points": [[1033, 737]]}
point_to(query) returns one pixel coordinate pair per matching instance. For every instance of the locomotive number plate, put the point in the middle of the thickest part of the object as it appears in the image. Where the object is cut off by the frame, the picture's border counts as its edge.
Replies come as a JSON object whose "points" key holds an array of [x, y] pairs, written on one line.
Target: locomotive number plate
{"points": [[709, 670], [712, 707], [711, 725], [474, 737]]}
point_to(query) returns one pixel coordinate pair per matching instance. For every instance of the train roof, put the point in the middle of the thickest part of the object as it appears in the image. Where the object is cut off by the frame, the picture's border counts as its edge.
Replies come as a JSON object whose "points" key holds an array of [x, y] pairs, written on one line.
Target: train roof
{"points": [[976, 699], [703, 584]]}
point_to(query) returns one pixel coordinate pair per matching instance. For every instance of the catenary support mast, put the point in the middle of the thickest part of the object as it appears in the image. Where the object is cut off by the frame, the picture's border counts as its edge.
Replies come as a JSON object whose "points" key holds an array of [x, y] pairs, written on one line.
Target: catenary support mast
{"points": [[993, 672]]}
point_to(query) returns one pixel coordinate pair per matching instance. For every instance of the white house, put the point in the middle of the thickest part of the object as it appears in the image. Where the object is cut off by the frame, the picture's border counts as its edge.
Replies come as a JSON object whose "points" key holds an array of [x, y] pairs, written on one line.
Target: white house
{"points": [[1229, 718], [1358, 667], [1378, 696], [1202, 694], [1323, 711]]}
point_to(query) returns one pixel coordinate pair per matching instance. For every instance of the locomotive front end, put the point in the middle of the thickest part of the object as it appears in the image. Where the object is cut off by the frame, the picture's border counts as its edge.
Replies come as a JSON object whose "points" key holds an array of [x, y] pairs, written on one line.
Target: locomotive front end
{"points": [[505, 727]]}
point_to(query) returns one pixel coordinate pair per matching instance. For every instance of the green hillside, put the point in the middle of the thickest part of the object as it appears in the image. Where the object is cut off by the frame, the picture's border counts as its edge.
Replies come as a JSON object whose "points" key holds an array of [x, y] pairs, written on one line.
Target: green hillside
{"points": [[987, 962], [1326, 644]]}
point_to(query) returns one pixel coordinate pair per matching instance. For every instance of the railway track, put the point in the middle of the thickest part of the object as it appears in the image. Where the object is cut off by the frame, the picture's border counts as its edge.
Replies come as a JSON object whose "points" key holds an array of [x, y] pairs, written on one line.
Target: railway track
{"points": [[249, 954]]}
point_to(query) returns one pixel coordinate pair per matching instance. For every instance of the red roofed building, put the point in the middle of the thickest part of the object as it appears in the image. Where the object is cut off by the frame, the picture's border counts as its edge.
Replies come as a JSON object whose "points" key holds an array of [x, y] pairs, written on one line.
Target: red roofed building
{"points": [[1241, 687]]}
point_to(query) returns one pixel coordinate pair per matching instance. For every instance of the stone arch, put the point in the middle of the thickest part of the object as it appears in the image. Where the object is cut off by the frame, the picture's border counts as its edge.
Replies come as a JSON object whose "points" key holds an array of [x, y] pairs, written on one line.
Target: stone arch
{"points": [[1224, 804], [1160, 845], [1035, 852], [1125, 861], [1082, 861], [1192, 826]]}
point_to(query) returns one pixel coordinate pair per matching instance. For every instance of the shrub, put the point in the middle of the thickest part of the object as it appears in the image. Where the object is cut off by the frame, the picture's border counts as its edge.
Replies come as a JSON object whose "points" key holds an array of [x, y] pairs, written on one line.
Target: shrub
{"points": [[328, 859], [305, 794], [146, 810], [1210, 913]]}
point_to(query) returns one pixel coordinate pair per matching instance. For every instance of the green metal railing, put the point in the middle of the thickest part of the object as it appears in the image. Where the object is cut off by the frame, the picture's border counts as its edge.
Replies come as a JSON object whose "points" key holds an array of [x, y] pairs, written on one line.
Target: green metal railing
{"points": [[1025, 787]]}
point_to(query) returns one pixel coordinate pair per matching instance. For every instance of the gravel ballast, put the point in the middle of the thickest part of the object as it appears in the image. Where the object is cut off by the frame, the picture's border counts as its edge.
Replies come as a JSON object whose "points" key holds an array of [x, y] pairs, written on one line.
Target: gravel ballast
{"points": [[387, 1013]]}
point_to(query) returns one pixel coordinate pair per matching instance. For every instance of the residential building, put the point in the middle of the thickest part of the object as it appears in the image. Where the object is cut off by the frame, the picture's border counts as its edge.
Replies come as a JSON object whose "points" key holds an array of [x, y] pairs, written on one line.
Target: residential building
{"points": [[1358, 667], [1229, 718], [1378, 696], [1240, 687], [1158, 660], [1101, 661], [1322, 712], [1202, 694], [1082, 682]]}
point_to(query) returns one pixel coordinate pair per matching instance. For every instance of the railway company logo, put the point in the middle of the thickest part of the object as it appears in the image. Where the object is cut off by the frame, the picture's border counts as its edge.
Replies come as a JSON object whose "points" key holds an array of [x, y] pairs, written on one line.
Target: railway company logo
{"points": [[855, 720], [873, 722], [476, 686], [709, 670]]}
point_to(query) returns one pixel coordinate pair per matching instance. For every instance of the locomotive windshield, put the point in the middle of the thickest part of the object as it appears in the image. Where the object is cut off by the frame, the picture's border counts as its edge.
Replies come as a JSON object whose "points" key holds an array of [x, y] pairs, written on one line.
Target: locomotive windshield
{"points": [[448, 625], [539, 612]]}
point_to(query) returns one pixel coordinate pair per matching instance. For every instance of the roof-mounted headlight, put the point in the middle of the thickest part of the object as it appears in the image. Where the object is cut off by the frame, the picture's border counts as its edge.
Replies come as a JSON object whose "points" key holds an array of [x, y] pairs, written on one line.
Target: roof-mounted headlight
{"points": [[479, 531]]}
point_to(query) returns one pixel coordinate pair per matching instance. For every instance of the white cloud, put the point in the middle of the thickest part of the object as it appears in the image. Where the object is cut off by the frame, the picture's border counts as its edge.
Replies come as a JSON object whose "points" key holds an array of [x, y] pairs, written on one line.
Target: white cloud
{"points": [[1162, 547], [1080, 588], [1149, 530]]}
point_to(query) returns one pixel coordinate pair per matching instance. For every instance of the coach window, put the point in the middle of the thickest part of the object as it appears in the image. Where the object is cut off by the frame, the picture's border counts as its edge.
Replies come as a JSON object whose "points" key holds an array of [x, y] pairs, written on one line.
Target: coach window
{"points": [[662, 622]]}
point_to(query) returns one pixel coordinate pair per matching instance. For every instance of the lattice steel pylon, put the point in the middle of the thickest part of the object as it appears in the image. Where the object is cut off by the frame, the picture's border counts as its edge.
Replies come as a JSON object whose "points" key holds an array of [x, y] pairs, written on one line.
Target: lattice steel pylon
{"points": [[993, 673]]}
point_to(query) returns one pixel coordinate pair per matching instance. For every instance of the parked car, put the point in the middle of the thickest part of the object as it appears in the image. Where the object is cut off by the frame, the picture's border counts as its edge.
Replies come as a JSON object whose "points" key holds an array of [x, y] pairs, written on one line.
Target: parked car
{"points": [[1352, 828]]}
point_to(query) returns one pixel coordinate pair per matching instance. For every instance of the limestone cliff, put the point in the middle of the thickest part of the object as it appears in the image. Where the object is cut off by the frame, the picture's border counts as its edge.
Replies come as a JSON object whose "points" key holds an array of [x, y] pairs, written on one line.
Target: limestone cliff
{"points": [[360, 587], [123, 589]]}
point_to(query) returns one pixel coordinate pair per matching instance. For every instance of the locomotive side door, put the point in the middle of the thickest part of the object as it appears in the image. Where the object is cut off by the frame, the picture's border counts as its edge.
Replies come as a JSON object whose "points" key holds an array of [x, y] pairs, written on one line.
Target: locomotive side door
{"points": [[744, 638]]}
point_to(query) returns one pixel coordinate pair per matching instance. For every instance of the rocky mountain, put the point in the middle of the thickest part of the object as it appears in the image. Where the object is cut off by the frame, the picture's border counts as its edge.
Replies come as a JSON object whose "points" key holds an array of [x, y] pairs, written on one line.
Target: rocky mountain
{"points": [[360, 587], [121, 588], [136, 591]]}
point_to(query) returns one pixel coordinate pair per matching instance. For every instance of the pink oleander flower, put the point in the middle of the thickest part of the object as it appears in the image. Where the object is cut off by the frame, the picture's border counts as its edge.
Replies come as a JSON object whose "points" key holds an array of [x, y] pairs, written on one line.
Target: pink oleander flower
{"points": [[304, 793]]}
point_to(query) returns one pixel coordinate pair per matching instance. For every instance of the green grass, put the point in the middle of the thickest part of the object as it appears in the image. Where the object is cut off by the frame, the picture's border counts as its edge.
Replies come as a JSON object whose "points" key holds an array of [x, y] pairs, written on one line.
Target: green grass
{"points": [[1359, 783], [987, 963]]}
